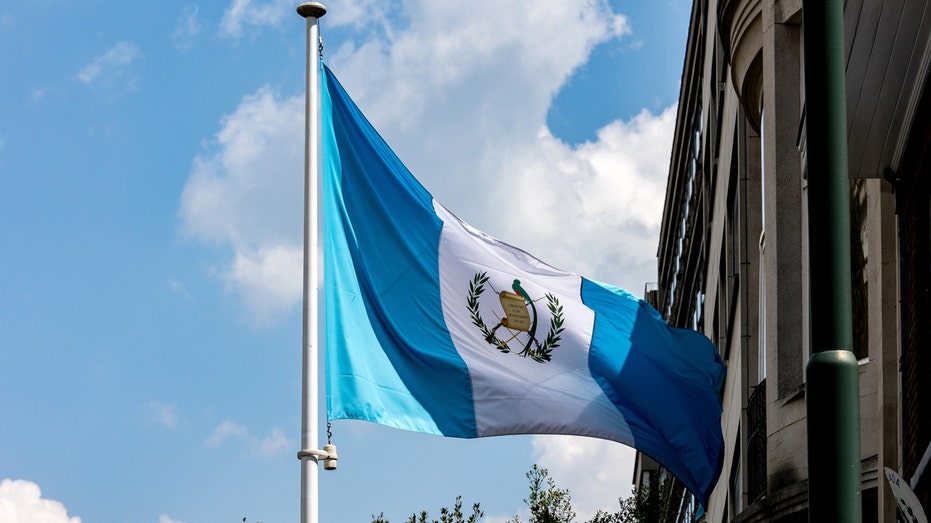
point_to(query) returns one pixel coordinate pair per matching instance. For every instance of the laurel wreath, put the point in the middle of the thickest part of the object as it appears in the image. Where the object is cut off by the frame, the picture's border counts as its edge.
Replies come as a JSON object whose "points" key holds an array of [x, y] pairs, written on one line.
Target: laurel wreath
{"points": [[542, 352]]}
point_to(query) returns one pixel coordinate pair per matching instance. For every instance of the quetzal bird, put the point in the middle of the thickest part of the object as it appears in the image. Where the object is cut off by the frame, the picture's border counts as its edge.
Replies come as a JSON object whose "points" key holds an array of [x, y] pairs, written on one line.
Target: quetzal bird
{"points": [[533, 325]]}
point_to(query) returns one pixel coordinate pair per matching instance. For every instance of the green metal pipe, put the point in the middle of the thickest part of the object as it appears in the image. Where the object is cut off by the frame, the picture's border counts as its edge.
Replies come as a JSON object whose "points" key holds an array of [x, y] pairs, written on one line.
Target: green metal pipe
{"points": [[832, 382], [828, 183], [832, 401]]}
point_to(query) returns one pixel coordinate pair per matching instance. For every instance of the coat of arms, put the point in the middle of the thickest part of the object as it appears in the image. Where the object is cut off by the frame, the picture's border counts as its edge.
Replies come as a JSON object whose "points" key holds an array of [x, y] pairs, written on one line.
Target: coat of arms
{"points": [[518, 319]]}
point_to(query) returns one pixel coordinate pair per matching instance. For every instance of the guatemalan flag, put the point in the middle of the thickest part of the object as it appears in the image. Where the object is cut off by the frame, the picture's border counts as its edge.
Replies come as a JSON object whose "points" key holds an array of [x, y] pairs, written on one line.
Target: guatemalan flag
{"points": [[433, 326]]}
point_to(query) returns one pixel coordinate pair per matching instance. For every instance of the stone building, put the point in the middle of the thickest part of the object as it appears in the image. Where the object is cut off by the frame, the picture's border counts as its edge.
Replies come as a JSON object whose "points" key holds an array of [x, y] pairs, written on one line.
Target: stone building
{"points": [[733, 250]]}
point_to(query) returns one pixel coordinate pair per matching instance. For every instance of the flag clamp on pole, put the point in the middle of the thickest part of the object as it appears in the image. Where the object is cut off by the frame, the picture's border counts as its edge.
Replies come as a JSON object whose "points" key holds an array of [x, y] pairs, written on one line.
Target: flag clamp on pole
{"points": [[309, 454]]}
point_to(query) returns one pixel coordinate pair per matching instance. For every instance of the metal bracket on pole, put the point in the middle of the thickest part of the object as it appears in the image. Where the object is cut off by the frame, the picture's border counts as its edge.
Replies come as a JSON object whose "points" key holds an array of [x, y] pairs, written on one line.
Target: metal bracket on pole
{"points": [[328, 454]]}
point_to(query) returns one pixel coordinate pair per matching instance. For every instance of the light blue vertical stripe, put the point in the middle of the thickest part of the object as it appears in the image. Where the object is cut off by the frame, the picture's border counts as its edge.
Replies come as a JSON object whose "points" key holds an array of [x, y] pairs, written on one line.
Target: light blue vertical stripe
{"points": [[391, 359]]}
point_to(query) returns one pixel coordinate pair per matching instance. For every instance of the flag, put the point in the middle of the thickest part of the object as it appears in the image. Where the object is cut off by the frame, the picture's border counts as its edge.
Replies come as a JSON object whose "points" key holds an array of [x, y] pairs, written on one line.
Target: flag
{"points": [[433, 326]]}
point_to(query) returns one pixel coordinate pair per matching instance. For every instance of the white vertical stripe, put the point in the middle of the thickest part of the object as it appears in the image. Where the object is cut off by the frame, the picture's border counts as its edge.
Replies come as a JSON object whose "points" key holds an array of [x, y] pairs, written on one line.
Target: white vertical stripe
{"points": [[515, 394]]}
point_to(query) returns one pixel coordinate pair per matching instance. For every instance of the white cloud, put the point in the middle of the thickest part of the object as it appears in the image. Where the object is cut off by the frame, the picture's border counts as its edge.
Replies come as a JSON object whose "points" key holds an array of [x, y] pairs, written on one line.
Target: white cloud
{"points": [[257, 14], [179, 288], [268, 446], [226, 430], [598, 211], [111, 66], [485, 83], [188, 28], [165, 518], [273, 444], [268, 278], [360, 13], [596, 472], [37, 95], [21, 502], [162, 414], [463, 101], [495, 70], [248, 192]]}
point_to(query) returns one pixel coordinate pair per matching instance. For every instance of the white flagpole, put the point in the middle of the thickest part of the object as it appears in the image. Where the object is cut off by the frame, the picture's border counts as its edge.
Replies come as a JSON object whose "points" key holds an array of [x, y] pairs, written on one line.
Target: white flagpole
{"points": [[309, 454]]}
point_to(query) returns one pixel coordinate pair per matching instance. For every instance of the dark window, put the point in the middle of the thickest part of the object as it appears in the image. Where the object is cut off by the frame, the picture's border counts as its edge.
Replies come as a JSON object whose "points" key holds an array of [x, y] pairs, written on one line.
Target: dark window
{"points": [[756, 442]]}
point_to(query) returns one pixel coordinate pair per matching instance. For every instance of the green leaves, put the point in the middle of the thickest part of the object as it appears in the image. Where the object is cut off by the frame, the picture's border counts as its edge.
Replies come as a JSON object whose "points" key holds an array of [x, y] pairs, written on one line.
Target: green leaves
{"points": [[557, 320], [547, 503], [447, 515], [476, 288], [550, 504]]}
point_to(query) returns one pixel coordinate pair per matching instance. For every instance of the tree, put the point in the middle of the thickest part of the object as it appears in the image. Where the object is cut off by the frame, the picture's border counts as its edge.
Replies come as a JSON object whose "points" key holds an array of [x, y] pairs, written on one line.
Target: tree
{"points": [[447, 515], [626, 513], [652, 502], [549, 504]]}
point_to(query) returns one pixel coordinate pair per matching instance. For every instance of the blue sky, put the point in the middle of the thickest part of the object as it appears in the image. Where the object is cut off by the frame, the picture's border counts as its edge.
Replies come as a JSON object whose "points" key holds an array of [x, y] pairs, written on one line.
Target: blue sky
{"points": [[150, 220]]}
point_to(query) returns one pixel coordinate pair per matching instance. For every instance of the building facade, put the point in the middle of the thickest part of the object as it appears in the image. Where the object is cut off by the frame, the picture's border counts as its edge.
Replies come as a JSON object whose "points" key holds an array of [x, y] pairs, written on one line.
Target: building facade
{"points": [[733, 250]]}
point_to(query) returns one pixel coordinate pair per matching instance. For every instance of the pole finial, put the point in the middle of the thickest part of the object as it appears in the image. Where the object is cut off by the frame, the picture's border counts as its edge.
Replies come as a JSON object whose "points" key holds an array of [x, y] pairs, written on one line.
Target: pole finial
{"points": [[311, 9]]}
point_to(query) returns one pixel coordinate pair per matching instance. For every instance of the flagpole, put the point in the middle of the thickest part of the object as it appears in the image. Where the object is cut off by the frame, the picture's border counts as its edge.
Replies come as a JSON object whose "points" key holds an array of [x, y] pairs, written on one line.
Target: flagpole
{"points": [[309, 454]]}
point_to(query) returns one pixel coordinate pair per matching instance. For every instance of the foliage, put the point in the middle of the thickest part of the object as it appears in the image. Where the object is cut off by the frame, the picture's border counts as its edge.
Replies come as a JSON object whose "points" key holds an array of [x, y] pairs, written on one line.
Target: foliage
{"points": [[626, 513], [447, 515], [550, 504], [651, 503]]}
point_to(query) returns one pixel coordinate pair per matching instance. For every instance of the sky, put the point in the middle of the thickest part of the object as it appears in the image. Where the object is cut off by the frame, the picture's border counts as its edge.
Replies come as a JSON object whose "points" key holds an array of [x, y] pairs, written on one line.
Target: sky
{"points": [[151, 171]]}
